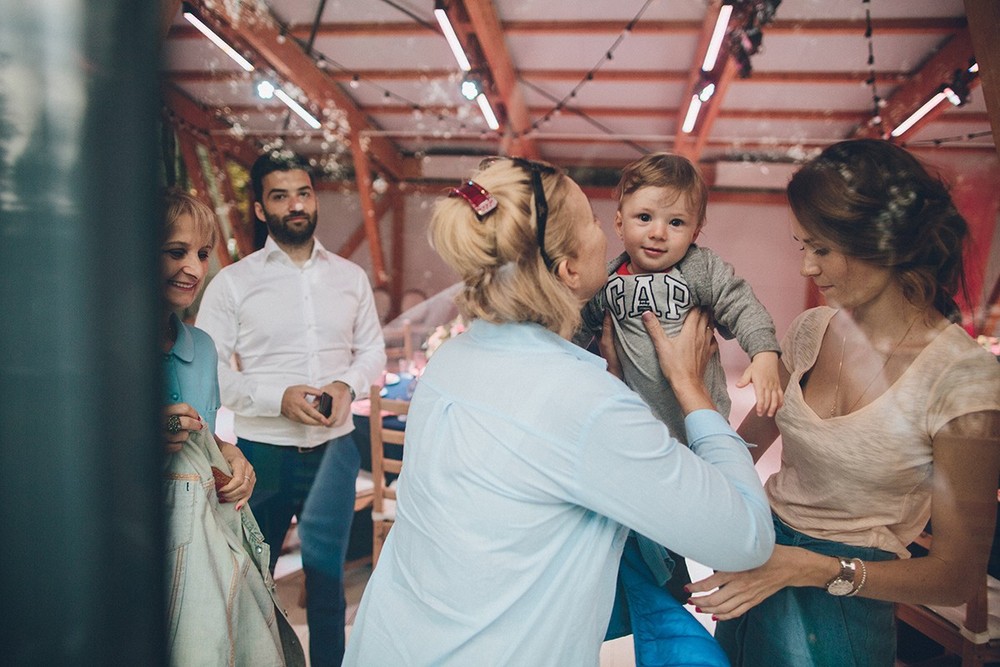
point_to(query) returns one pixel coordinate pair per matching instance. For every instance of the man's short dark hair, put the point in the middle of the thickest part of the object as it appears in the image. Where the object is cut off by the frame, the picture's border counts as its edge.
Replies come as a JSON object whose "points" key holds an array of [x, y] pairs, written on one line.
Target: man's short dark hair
{"points": [[271, 161]]}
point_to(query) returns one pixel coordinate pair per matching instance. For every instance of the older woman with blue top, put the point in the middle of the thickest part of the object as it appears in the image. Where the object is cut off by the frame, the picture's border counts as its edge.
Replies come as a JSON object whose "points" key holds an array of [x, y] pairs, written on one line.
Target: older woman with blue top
{"points": [[526, 463], [222, 606]]}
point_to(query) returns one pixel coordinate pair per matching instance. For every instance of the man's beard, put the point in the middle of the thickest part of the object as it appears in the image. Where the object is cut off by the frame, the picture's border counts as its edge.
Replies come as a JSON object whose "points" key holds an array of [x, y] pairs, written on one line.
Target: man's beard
{"points": [[280, 230]]}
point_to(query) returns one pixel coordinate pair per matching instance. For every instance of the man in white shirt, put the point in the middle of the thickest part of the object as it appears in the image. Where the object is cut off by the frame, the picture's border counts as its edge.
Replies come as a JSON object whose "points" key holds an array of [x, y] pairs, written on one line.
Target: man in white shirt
{"points": [[301, 321]]}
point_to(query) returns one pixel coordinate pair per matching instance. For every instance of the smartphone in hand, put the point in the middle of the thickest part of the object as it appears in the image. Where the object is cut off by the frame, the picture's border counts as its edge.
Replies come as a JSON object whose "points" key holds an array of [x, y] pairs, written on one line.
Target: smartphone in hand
{"points": [[325, 404]]}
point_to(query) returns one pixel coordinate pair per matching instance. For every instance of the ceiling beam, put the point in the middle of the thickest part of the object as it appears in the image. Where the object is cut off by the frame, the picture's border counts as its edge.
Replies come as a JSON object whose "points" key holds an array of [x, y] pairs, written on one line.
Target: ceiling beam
{"points": [[943, 25], [954, 54], [928, 25], [984, 26], [659, 112], [606, 76], [686, 143], [186, 110], [468, 144], [397, 226], [489, 34], [366, 193], [168, 12], [245, 24]]}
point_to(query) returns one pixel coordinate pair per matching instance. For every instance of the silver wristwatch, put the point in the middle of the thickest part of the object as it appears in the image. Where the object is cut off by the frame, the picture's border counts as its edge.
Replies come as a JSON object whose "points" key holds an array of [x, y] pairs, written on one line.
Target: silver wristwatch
{"points": [[843, 583]]}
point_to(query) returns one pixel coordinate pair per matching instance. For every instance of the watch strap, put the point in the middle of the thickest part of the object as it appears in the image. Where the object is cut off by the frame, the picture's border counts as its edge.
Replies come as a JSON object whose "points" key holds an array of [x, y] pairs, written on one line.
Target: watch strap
{"points": [[846, 577]]}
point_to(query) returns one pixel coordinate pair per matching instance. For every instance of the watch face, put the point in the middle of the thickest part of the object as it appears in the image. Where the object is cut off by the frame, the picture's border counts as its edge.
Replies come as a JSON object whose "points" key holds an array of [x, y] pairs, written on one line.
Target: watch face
{"points": [[840, 587]]}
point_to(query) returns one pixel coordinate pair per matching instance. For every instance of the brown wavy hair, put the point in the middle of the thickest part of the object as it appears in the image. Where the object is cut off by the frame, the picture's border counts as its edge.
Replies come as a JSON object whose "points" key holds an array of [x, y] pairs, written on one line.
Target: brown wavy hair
{"points": [[875, 202]]}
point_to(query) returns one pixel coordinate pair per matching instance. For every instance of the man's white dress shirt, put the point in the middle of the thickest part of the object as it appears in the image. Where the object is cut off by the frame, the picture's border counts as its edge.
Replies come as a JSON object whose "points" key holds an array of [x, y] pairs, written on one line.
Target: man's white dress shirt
{"points": [[290, 325]]}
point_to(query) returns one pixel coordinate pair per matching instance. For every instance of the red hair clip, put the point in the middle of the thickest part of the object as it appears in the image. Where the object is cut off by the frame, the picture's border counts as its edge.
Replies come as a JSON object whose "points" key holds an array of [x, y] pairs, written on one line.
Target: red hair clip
{"points": [[479, 198]]}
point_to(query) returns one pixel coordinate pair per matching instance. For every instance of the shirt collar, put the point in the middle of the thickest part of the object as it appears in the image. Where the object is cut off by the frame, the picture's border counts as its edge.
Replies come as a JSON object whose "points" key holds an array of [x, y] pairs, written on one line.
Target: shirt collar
{"points": [[183, 347], [535, 334], [271, 248]]}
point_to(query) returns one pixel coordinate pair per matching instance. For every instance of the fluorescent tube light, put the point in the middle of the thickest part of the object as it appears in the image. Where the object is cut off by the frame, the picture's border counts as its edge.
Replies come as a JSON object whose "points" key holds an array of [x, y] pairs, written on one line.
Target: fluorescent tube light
{"points": [[218, 41], [717, 35], [484, 106], [692, 115], [952, 96], [297, 108], [449, 34], [920, 113]]}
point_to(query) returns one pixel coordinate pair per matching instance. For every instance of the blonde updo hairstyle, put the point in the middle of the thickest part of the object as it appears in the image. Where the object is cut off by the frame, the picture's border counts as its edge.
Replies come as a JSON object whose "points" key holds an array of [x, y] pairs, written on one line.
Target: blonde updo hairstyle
{"points": [[498, 257]]}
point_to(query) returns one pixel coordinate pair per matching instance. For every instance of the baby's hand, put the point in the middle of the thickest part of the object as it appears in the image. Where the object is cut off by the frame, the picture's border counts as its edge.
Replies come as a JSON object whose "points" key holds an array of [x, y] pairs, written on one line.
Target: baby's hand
{"points": [[763, 373]]}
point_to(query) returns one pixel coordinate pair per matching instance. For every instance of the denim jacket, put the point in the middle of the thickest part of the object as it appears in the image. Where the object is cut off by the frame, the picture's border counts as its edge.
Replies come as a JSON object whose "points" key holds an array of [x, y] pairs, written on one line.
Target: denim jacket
{"points": [[223, 607]]}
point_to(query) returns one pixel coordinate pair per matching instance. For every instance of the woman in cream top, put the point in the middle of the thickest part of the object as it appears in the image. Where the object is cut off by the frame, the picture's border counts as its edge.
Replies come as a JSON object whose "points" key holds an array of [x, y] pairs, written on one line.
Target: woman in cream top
{"points": [[891, 418]]}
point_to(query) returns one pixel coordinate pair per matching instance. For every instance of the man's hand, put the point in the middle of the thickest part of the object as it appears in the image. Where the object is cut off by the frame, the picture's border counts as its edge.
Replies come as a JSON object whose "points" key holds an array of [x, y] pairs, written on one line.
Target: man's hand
{"points": [[299, 403], [341, 394]]}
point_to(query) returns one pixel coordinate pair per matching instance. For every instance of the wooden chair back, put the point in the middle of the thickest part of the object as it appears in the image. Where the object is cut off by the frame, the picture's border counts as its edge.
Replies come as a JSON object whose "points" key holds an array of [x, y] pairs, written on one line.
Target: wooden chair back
{"points": [[399, 343], [383, 495], [965, 630]]}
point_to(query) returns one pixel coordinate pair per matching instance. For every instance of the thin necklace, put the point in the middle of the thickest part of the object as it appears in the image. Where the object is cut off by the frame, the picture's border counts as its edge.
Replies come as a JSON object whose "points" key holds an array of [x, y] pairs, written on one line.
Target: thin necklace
{"points": [[840, 368]]}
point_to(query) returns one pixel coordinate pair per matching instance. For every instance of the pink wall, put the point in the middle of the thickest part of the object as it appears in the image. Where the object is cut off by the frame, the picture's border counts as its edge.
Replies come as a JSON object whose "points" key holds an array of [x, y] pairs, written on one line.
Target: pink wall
{"points": [[754, 237]]}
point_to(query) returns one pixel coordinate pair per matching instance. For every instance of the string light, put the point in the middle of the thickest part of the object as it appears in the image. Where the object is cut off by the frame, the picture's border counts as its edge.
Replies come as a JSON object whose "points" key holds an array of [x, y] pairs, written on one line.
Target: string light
{"points": [[356, 79], [947, 140], [877, 102], [589, 76]]}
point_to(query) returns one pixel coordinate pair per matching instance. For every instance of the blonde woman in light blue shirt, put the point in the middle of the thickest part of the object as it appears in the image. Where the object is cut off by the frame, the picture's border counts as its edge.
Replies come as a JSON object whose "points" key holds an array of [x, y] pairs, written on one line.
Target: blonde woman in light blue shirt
{"points": [[526, 462]]}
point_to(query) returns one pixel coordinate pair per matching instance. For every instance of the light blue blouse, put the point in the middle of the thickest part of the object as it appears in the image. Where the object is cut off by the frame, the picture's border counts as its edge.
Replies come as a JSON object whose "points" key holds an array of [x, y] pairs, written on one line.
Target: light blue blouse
{"points": [[189, 372], [525, 465]]}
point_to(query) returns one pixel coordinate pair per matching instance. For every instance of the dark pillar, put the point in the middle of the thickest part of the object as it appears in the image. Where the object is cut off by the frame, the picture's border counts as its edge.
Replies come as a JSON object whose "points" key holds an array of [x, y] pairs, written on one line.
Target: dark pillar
{"points": [[80, 515]]}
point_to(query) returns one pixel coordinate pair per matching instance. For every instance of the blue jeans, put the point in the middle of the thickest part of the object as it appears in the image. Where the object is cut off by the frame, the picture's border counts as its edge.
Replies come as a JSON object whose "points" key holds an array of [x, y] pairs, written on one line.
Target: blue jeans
{"points": [[808, 627], [663, 631], [319, 487]]}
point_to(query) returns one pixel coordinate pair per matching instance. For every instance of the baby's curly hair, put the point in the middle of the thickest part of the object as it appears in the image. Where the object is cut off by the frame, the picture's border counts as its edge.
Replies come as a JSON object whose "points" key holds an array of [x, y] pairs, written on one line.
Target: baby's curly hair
{"points": [[665, 170]]}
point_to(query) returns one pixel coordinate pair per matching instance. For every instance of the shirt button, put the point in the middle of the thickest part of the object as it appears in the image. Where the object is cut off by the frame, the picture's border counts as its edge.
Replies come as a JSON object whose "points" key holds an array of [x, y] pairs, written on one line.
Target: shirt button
{"points": [[175, 397]]}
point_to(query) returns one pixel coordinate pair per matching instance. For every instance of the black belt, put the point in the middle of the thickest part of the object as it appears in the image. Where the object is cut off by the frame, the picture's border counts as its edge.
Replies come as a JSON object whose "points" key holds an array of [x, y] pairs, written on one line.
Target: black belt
{"points": [[308, 450]]}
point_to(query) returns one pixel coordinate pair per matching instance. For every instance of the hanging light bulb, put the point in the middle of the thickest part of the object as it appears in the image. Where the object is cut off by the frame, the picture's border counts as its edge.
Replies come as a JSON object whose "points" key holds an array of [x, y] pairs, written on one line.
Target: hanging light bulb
{"points": [[471, 88], [265, 90]]}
